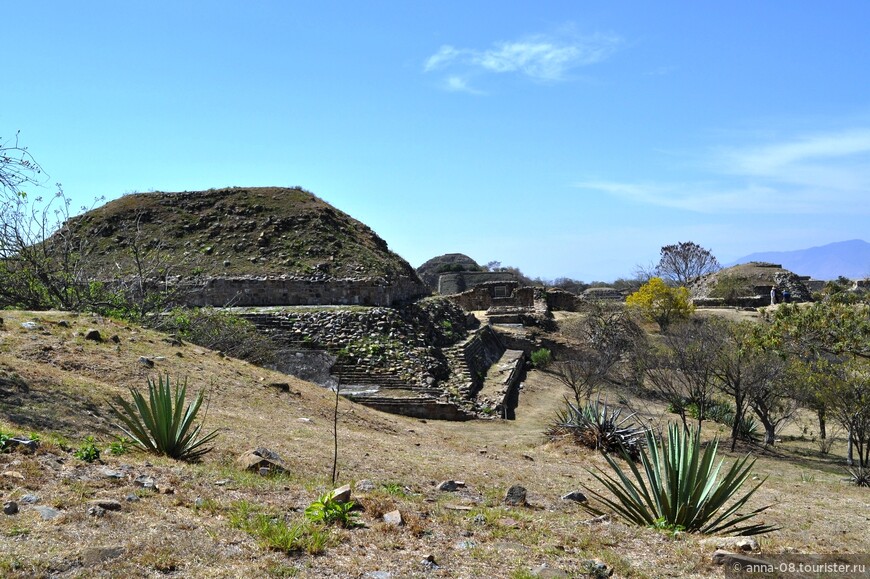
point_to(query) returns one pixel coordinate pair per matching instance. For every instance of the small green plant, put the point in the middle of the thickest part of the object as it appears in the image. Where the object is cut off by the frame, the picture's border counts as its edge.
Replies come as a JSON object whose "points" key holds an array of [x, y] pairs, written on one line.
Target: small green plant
{"points": [[394, 488], [161, 424], [661, 524], [4, 436], [541, 358], [327, 510], [88, 450], [808, 477], [16, 531], [680, 488], [274, 532], [121, 445]]}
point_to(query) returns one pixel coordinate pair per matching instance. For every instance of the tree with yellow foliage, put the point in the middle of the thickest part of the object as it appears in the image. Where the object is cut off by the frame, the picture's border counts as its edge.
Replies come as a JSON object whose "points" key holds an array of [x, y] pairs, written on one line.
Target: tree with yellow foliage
{"points": [[658, 302]]}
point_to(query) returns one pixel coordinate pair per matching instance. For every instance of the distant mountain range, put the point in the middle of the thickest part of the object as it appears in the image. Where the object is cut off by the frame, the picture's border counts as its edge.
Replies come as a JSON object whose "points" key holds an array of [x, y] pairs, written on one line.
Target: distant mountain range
{"points": [[847, 258]]}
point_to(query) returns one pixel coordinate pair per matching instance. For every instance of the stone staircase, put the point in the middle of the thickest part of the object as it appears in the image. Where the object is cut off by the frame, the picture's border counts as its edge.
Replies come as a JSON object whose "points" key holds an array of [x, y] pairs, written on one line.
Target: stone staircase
{"points": [[471, 359], [500, 391]]}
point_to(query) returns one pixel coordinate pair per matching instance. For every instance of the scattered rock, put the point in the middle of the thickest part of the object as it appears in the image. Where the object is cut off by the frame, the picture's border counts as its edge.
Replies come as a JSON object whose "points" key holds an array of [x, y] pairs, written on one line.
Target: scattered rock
{"points": [[364, 486], [10, 508], [450, 485], [597, 569], [516, 496], [30, 326], [21, 443], [30, 499], [132, 498], [262, 458], [465, 545], [115, 339], [96, 511], [146, 482], [575, 496], [605, 518], [341, 494], [735, 562], [12, 474], [146, 361], [107, 504], [93, 335], [747, 544], [109, 473], [63, 324], [47, 513], [429, 562], [394, 518], [96, 555], [282, 386], [304, 420]]}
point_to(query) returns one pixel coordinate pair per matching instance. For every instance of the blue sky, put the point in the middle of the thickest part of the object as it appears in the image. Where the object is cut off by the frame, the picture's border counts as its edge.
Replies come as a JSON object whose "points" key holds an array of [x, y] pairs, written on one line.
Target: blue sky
{"points": [[564, 138]]}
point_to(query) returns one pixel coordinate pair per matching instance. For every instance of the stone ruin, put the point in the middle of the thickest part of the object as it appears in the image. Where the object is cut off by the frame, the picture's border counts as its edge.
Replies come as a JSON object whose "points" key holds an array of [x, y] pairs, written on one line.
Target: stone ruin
{"points": [[427, 359], [755, 279]]}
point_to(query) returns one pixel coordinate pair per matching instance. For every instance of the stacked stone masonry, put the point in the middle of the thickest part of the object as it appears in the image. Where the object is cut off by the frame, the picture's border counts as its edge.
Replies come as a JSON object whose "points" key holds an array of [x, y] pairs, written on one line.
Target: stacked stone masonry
{"points": [[293, 291]]}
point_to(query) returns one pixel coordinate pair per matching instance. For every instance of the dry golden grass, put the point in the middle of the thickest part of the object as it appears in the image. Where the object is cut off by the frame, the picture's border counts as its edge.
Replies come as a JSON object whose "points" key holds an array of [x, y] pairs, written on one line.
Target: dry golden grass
{"points": [[186, 529]]}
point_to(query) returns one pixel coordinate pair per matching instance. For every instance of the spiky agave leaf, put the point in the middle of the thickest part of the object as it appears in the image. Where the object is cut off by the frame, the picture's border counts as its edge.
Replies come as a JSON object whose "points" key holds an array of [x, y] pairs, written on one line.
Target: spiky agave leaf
{"points": [[161, 424], [680, 488]]}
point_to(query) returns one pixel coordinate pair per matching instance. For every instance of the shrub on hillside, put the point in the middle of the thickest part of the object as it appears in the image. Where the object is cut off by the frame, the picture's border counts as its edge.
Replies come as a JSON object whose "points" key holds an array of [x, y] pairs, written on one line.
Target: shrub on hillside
{"points": [[223, 331], [658, 302], [541, 358]]}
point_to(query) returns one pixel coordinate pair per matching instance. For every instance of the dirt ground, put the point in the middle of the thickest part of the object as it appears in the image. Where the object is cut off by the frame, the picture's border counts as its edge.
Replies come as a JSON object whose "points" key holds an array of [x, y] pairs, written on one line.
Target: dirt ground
{"points": [[185, 527]]}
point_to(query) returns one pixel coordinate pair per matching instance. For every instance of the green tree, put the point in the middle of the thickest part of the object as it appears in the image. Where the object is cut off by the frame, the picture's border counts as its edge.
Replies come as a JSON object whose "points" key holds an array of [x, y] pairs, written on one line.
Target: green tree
{"points": [[658, 302], [830, 344]]}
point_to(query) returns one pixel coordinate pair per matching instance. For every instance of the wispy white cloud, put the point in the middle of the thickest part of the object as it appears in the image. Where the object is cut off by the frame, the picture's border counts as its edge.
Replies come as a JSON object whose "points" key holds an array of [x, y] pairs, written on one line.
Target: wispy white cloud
{"points": [[539, 57], [823, 173], [459, 84]]}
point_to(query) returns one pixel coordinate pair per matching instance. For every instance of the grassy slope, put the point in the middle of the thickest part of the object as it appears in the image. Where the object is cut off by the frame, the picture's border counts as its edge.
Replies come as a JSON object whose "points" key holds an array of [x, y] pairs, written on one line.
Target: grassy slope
{"points": [[71, 379], [237, 231]]}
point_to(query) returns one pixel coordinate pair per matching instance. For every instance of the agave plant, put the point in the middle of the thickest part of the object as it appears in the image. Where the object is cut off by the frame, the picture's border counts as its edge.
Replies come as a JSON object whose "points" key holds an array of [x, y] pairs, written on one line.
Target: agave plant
{"points": [[680, 488], [161, 424], [600, 427], [859, 476]]}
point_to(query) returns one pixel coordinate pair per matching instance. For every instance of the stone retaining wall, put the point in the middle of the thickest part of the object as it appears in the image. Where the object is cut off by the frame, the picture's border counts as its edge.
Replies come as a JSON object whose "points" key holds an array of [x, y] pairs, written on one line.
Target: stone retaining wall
{"points": [[293, 291], [458, 282], [400, 341], [495, 294]]}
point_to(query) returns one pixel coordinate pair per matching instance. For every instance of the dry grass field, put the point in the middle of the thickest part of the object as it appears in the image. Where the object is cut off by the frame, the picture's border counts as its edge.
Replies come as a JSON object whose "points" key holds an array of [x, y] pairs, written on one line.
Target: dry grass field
{"points": [[187, 527]]}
